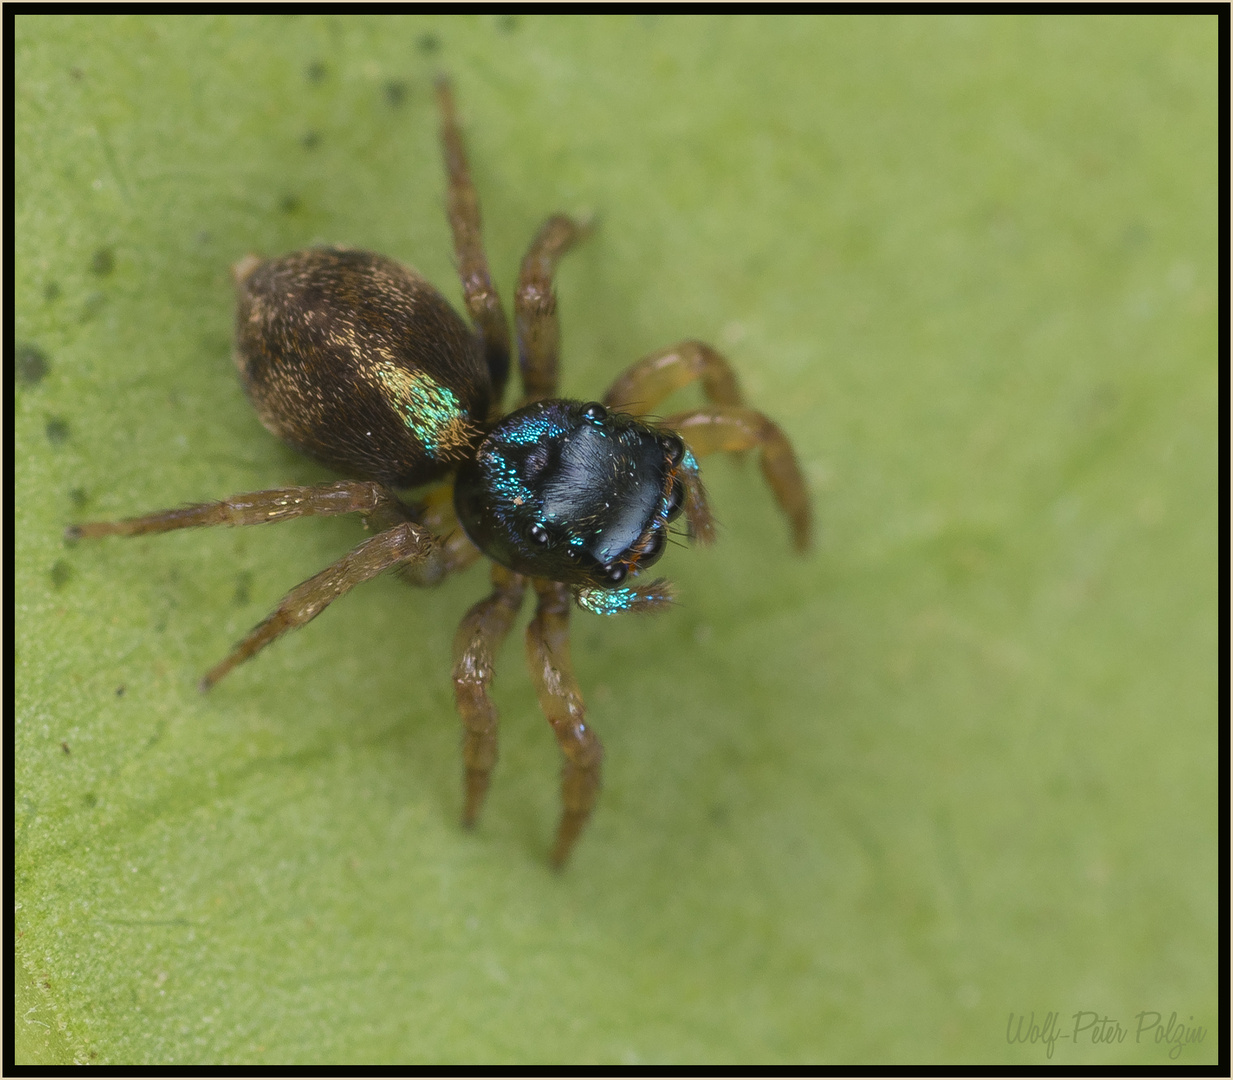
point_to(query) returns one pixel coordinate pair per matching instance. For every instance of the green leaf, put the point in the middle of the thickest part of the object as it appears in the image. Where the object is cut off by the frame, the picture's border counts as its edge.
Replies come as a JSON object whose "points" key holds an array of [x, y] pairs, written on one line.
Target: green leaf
{"points": [[956, 766]]}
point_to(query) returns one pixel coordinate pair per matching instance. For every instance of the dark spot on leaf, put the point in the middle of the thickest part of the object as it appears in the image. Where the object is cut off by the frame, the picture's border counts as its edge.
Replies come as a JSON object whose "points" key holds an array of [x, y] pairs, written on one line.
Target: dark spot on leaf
{"points": [[159, 731], [57, 430], [1135, 235], [395, 93], [507, 24], [65, 747], [428, 43], [90, 799], [92, 305], [1099, 404], [32, 366], [60, 574], [290, 204], [76, 73], [243, 586], [316, 71], [51, 291], [103, 262], [79, 497], [310, 140], [120, 690]]}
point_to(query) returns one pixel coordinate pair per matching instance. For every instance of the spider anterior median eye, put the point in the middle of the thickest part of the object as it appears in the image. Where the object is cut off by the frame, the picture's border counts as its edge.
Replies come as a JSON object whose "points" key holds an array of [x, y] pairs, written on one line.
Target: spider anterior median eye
{"points": [[675, 449], [655, 547], [615, 573], [676, 501], [539, 534]]}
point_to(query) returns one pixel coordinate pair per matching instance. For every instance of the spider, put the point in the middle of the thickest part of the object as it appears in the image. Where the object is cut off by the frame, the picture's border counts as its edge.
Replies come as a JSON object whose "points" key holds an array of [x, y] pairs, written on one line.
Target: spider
{"points": [[359, 363]]}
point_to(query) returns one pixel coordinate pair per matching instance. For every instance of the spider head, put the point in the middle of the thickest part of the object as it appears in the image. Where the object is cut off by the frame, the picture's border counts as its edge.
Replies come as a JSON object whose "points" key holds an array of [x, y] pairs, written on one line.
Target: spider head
{"points": [[568, 491]]}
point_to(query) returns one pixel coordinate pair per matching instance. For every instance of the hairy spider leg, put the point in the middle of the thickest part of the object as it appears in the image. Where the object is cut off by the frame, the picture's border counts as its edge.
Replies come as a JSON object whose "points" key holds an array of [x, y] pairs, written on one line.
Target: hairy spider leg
{"points": [[726, 427], [535, 305], [642, 386], [561, 700], [483, 302], [401, 544], [400, 541], [479, 635], [380, 506]]}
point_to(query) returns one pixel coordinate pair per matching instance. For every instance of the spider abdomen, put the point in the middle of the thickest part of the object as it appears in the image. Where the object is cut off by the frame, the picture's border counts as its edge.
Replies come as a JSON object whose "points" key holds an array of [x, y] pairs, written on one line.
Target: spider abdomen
{"points": [[358, 362]]}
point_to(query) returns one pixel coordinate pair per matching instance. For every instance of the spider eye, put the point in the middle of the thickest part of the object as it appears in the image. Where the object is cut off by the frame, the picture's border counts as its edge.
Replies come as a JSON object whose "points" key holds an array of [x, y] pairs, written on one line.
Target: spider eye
{"points": [[654, 549], [595, 412], [614, 573], [676, 500], [539, 534], [674, 447]]}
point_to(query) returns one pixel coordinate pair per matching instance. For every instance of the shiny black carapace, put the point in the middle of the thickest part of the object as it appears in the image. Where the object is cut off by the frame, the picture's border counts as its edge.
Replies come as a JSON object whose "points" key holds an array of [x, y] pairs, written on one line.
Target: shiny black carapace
{"points": [[358, 362]]}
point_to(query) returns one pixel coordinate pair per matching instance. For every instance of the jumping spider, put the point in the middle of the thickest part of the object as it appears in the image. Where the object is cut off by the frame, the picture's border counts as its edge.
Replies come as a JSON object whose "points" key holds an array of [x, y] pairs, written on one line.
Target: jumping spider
{"points": [[360, 363]]}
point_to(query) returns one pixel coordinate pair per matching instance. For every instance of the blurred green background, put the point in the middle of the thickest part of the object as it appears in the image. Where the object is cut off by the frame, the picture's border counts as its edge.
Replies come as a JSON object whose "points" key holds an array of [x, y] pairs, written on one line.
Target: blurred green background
{"points": [[956, 767]]}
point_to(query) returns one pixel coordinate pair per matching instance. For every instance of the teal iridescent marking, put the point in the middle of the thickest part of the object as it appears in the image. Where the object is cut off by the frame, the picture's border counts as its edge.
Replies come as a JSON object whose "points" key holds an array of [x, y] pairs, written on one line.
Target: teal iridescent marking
{"points": [[618, 601], [428, 408], [607, 601], [531, 429], [506, 483]]}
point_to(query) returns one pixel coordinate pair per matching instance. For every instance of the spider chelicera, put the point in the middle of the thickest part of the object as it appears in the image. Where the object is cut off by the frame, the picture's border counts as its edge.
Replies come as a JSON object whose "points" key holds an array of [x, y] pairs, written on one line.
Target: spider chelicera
{"points": [[360, 363]]}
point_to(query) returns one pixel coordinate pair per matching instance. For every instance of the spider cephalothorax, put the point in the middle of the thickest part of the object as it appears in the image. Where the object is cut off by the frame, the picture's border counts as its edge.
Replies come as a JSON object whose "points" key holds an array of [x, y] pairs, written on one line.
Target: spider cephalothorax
{"points": [[573, 492], [360, 363]]}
